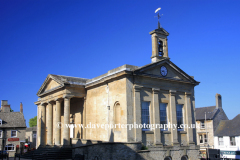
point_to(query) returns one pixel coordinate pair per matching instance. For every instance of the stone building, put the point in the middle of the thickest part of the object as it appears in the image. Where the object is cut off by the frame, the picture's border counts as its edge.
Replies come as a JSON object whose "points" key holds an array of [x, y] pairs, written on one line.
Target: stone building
{"points": [[12, 129], [158, 93], [31, 136], [208, 119]]}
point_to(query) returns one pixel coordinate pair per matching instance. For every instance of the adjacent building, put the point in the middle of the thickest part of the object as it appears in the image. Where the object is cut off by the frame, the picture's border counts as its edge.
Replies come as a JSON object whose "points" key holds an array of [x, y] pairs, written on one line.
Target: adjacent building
{"points": [[31, 136], [157, 93], [227, 138], [208, 119], [12, 129]]}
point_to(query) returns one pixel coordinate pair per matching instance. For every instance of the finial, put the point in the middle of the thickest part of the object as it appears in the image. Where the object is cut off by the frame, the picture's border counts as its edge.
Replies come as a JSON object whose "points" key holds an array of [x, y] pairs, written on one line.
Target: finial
{"points": [[159, 16]]}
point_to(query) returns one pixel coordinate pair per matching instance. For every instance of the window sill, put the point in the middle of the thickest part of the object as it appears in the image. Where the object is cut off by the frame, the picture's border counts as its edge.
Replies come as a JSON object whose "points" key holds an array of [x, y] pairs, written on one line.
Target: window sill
{"points": [[182, 132], [166, 132], [148, 132]]}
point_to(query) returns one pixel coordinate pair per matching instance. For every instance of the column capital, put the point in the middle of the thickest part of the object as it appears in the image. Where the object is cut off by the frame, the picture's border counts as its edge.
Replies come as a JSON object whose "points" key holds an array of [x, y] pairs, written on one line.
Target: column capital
{"points": [[137, 88], [172, 92], [43, 104], [155, 90], [50, 102], [68, 96], [59, 99], [188, 93]]}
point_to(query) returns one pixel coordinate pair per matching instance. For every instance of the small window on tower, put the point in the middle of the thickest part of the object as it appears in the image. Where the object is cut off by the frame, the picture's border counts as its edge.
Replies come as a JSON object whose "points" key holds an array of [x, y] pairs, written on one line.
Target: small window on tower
{"points": [[160, 48]]}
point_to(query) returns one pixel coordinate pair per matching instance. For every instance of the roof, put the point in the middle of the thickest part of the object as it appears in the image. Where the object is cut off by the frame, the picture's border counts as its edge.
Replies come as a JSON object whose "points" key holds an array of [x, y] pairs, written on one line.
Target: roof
{"points": [[31, 129], [210, 113], [12, 119], [229, 127], [62, 80], [69, 80]]}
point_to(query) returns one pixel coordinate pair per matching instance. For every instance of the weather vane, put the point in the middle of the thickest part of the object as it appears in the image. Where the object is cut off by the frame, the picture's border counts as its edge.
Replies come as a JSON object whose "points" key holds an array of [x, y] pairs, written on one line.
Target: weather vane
{"points": [[158, 15]]}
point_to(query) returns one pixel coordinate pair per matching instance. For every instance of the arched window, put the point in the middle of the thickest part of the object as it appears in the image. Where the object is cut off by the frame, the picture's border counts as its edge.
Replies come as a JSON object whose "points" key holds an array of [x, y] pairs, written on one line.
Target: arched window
{"points": [[117, 116], [167, 158], [184, 158]]}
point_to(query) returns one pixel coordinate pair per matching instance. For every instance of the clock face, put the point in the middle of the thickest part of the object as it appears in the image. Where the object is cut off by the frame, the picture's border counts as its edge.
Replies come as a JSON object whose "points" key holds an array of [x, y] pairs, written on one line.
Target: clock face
{"points": [[163, 71]]}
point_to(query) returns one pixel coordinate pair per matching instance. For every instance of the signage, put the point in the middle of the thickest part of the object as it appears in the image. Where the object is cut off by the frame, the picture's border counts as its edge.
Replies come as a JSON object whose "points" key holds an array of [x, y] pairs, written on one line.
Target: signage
{"points": [[230, 152], [34, 135], [13, 139]]}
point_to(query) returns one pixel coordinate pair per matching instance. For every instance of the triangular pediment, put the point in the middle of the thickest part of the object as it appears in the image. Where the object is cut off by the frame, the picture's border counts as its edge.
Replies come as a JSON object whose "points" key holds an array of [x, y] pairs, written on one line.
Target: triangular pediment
{"points": [[173, 72], [49, 84]]}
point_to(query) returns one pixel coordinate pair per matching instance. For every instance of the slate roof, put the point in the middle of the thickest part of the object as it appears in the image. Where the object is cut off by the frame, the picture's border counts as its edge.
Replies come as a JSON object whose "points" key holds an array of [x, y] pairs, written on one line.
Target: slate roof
{"points": [[229, 127], [12, 119], [210, 113], [31, 129]]}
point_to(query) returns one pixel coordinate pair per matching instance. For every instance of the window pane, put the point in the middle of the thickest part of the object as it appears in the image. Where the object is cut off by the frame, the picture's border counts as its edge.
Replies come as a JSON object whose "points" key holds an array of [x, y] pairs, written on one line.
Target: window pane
{"points": [[145, 113], [232, 141], [220, 141], [163, 113], [202, 124], [9, 147], [14, 134], [201, 138], [179, 115], [205, 137]]}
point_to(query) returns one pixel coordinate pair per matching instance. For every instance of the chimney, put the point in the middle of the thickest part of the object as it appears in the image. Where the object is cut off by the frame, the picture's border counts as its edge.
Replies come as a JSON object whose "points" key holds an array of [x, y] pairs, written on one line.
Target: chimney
{"points": [[218, 101], [6, 108], [3, 102], [21, 108]]}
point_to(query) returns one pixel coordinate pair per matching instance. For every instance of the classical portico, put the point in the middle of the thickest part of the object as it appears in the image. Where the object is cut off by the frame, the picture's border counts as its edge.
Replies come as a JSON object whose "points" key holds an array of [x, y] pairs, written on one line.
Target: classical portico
{"points": [[159, 93], [61, 103]]}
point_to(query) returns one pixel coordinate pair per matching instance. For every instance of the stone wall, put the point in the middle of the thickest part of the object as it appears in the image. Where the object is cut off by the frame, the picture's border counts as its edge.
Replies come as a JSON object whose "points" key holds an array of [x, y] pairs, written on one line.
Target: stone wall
{"points": [[132, 151], [20, 135]]}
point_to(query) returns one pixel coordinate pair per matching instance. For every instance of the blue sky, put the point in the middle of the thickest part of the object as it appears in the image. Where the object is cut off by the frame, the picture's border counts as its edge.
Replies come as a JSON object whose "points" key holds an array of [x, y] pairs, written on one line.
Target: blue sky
{"points": [[84, 38]]}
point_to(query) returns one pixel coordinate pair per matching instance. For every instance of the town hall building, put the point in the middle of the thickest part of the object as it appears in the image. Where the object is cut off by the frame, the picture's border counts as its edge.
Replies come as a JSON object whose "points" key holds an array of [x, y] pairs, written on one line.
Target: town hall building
{"points": [[158, 93]]}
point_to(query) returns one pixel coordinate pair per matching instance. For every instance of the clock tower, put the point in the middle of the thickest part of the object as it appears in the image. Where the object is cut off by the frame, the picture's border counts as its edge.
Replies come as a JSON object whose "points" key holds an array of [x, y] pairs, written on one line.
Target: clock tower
{"points": [[159, 44]]}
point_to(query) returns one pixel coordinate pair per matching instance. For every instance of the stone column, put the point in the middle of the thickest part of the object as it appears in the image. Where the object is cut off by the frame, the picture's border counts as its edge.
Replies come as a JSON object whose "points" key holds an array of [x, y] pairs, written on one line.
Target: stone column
{"points": [[58, 122], [173, 119], [84, 119], [43, 124], [156, 116], [188, 108], [66, 130], [155, 54], [49, 123], [38, 126], [166, 48], [137, 113]]}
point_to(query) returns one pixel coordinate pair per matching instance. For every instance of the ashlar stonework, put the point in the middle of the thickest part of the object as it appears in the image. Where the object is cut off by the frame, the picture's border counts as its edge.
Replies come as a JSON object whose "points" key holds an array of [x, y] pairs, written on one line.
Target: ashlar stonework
{"points": [[157, 93]]}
